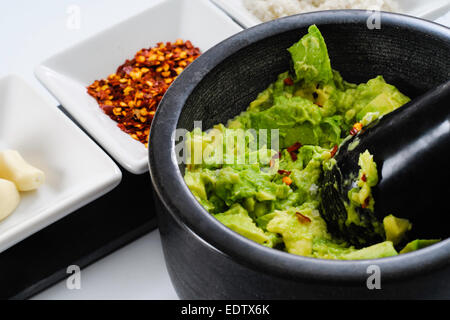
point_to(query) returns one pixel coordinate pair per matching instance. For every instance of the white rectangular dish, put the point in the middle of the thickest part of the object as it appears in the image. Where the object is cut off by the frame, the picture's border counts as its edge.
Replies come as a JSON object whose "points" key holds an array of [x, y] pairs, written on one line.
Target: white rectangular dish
{"points": [[77, 170], [430, 9], [67, 74]]}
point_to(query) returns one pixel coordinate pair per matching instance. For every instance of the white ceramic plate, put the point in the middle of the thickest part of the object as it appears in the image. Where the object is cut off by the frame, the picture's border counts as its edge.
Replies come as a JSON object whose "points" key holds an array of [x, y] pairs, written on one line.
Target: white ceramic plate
{"points": [[67, 74], [429, 9], [77, 170]]}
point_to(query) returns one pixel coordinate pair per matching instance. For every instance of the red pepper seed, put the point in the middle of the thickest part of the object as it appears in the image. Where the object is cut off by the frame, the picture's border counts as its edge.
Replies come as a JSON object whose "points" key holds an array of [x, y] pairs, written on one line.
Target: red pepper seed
{"points": [[334, 151]]}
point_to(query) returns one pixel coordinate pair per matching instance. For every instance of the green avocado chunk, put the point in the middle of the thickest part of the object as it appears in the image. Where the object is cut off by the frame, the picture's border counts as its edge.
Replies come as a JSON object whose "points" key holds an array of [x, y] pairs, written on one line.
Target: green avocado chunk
{"points": [[396, 228], [418, 244], [310, 58], [379, 250], [270, 192], [369, 101], [237, 219]]}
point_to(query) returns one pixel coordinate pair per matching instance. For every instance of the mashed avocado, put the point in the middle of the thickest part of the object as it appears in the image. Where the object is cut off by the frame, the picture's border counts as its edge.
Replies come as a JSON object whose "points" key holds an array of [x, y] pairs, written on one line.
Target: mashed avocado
{"points": [[361, 194], [269, 192]]}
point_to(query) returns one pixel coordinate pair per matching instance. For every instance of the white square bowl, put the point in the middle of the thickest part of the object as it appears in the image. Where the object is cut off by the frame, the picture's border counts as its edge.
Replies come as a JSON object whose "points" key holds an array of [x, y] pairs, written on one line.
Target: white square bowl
{"points": [[77, 170], [67, 74], [430, 9]]}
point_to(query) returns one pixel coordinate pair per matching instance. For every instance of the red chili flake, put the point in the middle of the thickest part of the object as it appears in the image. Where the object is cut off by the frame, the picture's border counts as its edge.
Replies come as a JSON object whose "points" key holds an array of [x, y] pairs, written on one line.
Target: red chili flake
{"points": [[302, 218], [366, 203], [288, 82], [102, 95], [287, 180], [363, 177], [357, 127], [132, 94], [334, 151], [127, 69], [293, 156], [284, 172], [107, 109], [294, 147]]}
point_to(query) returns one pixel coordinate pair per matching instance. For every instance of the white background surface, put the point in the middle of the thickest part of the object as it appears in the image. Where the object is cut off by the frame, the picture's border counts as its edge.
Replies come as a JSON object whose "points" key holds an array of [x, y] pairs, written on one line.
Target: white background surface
{"points": [[31, 31]]}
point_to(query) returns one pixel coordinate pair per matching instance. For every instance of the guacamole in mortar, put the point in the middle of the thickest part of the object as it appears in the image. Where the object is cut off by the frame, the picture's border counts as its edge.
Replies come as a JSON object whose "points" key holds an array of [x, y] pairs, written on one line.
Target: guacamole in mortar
{"points": [[274, 200]]}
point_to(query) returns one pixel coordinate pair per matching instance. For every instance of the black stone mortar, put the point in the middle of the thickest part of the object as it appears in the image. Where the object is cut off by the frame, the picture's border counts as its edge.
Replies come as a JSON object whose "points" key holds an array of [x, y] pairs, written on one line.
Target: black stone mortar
{"points": [[205, 259]]}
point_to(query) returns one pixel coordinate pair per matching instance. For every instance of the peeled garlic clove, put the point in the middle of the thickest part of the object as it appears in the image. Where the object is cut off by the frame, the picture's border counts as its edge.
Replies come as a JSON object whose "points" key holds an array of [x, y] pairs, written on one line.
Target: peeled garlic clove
{"points": [[9, 198], [14, 168]]}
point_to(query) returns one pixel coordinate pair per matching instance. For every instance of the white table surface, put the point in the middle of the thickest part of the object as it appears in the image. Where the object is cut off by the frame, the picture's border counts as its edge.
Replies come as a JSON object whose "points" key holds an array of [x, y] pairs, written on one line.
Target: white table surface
{"points": [[31, 31]]}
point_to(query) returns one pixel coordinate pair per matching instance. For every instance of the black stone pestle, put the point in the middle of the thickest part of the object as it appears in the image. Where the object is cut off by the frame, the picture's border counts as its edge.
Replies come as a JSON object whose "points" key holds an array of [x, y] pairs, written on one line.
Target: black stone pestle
{"points": [[411, 148]]}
